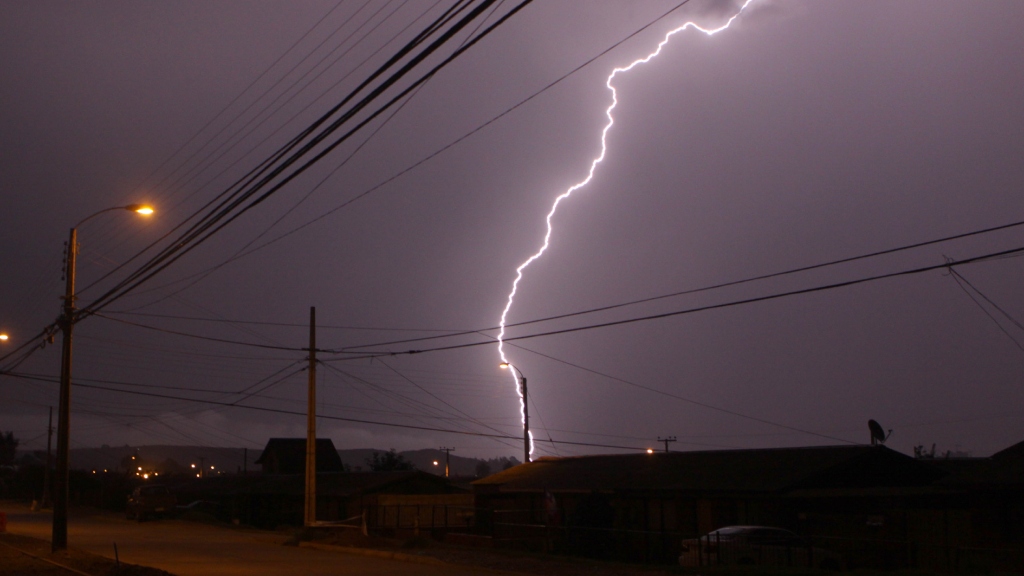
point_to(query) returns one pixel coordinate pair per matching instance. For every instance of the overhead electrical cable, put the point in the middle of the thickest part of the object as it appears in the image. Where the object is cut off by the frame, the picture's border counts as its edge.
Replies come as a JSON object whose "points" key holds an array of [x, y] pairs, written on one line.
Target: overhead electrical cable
{"points": [[722, 305], [229, 196], [443, 149], [960, 281], [231, 207], [407, 400], [223, 111], [685, 399], [711, 287], [193, 279], [339, 418], [708, 288]]}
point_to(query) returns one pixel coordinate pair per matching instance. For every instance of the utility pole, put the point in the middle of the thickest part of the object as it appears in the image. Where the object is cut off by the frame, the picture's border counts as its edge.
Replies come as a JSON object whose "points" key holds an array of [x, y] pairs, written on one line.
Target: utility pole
{"points": [[47, 498], [666, 440], [310, 516], [202, 466], [526, 409], [526, 422], [66, 322], [447, 455], [59, 536], [245, 460]]}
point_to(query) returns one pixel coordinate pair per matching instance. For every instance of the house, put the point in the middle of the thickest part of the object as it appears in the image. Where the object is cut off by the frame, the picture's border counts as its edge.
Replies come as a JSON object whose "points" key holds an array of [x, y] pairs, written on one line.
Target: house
{"points": [[638, 507], [288, 456]]}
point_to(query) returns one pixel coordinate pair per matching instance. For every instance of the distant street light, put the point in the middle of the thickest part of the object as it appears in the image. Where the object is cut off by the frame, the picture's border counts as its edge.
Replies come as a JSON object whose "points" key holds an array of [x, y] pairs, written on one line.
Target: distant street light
{"points": [[4, 337], [59, 540], [526, 409]]}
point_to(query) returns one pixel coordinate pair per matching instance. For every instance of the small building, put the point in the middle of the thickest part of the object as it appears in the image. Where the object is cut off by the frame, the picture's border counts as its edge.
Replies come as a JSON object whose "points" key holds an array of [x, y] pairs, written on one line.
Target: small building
{"points": [[407, 499], [288, 456]]}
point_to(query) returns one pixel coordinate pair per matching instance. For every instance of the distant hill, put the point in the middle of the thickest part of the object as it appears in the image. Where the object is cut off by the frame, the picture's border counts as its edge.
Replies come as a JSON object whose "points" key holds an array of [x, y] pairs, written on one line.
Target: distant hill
{"points": [[424, 460], [165, 458], [232, 460]]}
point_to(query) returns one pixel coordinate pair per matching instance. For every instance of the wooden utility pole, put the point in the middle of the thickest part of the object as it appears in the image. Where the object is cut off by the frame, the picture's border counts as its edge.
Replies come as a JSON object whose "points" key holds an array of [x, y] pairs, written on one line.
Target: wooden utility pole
{"points": [[310, 516], [666, 440], [447, 457], [526, 422], [59, 536]]}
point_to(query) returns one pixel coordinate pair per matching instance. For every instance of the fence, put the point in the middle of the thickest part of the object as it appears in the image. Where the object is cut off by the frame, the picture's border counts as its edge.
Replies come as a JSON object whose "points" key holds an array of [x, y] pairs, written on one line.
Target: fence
{"points": [[421, 517], [531, 529]]}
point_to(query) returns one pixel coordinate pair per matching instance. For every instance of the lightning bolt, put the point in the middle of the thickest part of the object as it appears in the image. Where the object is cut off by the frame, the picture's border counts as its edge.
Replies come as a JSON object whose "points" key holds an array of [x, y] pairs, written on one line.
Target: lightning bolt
{"points": [[590, 176]]}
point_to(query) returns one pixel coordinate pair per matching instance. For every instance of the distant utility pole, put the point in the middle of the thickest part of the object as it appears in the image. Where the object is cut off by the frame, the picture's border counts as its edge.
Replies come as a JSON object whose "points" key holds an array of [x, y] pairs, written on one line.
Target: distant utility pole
{"points": [[310, 516], [202, 466], [49, 464], [447, 455], [666, 440]]}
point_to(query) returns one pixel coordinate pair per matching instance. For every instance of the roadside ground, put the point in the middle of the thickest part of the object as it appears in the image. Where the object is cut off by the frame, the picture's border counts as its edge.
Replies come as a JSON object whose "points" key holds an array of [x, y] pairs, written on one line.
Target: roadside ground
{"points": [[22, 555]]}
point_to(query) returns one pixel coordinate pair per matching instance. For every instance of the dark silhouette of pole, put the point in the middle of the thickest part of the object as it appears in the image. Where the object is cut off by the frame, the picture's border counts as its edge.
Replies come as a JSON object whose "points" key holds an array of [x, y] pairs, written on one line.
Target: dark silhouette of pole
{"points": [[526, 421], [59, 536], [667, 440], [526, 408], [59, 539], [310, 515], [447, 455]]}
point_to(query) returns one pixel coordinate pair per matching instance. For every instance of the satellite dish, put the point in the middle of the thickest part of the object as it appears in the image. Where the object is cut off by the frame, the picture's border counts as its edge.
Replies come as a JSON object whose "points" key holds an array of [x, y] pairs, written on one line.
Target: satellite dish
{"points": [[878, 435]]}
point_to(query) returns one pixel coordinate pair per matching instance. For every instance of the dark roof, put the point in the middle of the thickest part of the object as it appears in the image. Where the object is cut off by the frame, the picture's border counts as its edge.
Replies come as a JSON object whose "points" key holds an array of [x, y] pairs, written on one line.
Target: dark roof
{"points": [[1004, 469], [763, 470], [1014, 454], [288, 455]]}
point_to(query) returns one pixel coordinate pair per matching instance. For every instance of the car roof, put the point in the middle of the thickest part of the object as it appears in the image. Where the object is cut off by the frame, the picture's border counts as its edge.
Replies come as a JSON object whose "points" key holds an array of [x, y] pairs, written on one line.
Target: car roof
{"points": [[742, 529]]}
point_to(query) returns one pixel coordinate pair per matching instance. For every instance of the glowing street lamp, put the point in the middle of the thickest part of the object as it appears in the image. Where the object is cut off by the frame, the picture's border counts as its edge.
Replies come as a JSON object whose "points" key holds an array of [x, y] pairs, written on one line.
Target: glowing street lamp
{"points": [[526, 409], [59, 540], [4, 337]]}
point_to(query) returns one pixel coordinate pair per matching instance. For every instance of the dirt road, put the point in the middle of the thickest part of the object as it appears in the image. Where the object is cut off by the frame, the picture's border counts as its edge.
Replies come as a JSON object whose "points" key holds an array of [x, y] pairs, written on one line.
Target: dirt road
{"points": [[193, 549]]}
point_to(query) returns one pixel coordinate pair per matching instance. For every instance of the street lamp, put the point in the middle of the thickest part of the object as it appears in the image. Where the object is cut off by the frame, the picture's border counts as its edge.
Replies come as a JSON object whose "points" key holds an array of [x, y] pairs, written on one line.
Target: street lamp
{"points": [[59, 540], [526, 409], [4, 337]]}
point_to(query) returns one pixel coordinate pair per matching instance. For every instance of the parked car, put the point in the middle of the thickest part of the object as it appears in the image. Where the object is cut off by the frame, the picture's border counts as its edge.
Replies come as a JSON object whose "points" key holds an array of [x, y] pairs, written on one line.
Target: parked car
{"points": [[755, 545], [203, 507], [150, 501]]}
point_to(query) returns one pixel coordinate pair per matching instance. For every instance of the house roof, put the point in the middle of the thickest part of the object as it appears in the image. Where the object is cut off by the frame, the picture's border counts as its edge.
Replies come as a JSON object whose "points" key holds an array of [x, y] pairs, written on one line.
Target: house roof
{"points": [[762, 470], [290, 455]]}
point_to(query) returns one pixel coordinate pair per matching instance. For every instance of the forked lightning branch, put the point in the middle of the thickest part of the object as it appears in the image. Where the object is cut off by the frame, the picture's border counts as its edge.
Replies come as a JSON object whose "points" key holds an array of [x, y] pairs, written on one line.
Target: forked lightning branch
{"points": [[590, 175]]}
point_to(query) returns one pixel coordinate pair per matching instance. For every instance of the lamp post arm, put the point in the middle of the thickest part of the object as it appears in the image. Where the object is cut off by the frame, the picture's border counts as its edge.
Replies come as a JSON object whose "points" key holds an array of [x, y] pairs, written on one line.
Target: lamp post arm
{"points": [[105, 210]]}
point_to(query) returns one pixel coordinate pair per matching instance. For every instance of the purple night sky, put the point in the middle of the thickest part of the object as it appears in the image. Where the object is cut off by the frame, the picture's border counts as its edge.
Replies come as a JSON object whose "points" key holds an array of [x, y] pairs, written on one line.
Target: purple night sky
{"points": [[805, 133]]}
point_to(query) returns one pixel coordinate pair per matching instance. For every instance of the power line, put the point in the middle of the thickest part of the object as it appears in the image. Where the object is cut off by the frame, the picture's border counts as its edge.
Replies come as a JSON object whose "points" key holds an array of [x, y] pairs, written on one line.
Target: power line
{"points": [[201, 337], [443, 149], [457, 333], [960, 281], [729, 304], [284, 324], [336, 418], [228, 206], [685, 399], [711, 287]]}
